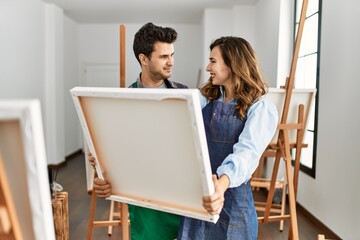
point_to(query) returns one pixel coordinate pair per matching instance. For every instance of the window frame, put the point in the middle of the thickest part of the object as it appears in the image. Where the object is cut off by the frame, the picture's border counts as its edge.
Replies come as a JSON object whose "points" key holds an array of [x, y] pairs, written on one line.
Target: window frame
{"points": [[311, 171]]}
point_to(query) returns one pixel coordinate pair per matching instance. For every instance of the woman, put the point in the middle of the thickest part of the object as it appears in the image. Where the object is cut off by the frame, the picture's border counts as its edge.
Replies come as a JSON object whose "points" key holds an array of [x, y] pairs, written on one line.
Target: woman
{"points": [[239, 124]]}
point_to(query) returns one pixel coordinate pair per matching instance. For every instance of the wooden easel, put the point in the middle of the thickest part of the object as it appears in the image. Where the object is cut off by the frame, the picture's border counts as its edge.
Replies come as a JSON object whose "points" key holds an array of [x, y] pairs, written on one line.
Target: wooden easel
{"points": [[9, 223], [123, 212], [123, 207], [280, 146], [283, 146], [60, 208]]}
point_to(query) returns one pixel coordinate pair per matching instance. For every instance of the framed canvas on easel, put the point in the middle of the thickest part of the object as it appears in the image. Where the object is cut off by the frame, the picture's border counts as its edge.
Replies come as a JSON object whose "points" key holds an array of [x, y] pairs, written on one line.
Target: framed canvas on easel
{"points": [[23, 158]]}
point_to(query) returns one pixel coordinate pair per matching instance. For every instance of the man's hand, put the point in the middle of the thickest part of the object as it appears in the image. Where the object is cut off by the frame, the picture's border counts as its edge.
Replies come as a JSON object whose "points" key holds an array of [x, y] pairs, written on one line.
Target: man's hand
{"points": [[91, 159], [101, 187]]}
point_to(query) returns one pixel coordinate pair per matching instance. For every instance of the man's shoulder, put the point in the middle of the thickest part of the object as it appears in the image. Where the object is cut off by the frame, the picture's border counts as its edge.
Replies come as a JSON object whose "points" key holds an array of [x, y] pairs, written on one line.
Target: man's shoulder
{"points": [[173, 84], [133, 85], [169, 84]]}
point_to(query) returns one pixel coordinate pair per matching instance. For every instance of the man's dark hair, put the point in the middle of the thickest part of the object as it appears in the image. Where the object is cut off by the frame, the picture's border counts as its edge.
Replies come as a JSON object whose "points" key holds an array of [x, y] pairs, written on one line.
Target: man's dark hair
{"points": [[148, 35]]}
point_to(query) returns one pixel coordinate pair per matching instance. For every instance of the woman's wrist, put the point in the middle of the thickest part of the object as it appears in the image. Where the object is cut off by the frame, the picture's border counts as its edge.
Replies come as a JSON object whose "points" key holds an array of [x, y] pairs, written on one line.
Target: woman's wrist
{"points": [[224, 182]]}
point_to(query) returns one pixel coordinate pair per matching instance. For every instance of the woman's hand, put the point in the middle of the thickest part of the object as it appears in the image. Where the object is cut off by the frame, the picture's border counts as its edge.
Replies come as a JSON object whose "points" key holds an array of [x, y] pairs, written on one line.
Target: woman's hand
{"points": [[215, 202], [102, 187]]}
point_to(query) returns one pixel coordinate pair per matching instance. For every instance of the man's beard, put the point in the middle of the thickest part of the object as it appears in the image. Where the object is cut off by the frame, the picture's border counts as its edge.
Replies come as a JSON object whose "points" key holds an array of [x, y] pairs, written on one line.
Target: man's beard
{"points": [[161, 75]]}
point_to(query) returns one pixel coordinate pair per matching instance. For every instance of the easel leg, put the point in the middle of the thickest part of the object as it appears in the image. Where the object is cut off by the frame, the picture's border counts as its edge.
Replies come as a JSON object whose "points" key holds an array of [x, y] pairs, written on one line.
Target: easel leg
{"points": [[292, 204], [283, 204], [293, 230], [111, 217], [124, 221], [272, 186], [91, 215]]}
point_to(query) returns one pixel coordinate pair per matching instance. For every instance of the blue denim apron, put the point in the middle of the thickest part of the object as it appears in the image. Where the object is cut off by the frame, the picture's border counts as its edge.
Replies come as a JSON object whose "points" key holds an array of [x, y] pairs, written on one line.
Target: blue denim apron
{"points": [[238, 219]]}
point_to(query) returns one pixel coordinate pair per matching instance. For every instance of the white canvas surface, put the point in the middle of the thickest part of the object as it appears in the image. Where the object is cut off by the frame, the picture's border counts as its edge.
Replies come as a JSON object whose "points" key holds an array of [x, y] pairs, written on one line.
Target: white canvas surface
{"points": [[151, 144], [22, 150]]}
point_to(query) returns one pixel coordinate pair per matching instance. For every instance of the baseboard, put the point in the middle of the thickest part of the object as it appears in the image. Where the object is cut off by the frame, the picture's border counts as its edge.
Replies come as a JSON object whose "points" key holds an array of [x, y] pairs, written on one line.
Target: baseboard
{"points": [[57, 166], [67, 158], [329, 234], [74, 154]]}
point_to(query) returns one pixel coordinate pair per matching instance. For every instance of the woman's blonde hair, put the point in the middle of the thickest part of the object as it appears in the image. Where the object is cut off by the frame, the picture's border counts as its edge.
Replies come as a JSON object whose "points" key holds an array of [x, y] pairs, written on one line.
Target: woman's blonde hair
{"points": [[247, 83]]}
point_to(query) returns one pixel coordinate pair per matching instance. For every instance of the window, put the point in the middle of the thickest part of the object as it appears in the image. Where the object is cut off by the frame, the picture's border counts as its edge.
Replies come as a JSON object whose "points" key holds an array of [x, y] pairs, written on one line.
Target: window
{"points": [[307, 74]]}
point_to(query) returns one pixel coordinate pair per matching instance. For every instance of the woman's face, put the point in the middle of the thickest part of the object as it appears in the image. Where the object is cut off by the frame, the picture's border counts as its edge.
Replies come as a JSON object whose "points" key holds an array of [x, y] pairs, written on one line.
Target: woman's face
{"points": [[219, 72]]}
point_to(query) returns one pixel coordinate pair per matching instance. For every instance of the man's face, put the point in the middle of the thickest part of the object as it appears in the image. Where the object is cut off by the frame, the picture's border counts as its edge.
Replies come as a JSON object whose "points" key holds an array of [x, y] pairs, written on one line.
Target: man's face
{"points": [[161, 61]]}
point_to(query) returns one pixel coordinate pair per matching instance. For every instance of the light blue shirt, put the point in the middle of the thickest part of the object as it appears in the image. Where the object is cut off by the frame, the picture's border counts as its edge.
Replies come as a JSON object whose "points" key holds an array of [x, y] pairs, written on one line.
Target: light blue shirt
{"points": [[259, 128]]}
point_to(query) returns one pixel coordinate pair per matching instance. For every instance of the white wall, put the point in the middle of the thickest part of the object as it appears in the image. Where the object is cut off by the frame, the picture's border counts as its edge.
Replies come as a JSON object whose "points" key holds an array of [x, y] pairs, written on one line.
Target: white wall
{"points": [[31, 64], [334, 196], [285, 45], [244, 22], [99, 44], [187, 53], [73, 140], [22, 58], [267, 38], [54, 83], [215, 23], [258, 24], [21, 50]]}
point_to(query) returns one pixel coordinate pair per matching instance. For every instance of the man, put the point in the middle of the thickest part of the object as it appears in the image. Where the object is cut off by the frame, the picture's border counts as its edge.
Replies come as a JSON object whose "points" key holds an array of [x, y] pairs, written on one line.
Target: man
{"points": [[154, 49]]}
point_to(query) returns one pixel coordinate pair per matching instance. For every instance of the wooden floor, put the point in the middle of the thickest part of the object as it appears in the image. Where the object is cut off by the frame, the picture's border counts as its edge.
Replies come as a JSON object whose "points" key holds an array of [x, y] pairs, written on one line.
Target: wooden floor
{"points": [[73, 179]]}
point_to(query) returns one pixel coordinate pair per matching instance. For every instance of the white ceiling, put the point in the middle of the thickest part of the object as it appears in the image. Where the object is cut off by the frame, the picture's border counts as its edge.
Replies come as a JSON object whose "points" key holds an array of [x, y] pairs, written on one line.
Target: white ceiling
{"points": [[141, 11]]}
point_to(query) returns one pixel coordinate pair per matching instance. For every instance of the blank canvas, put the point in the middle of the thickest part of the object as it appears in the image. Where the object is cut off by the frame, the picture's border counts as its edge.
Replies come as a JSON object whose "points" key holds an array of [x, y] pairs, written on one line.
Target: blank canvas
{"points": [[151, 144], [22, 150], [304, 96]]}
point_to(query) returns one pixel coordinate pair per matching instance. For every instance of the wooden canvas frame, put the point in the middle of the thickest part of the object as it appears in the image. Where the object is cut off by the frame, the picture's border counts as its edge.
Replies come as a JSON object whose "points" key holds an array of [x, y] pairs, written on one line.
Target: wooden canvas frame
{"points": [[151, 144], [23, 156]]}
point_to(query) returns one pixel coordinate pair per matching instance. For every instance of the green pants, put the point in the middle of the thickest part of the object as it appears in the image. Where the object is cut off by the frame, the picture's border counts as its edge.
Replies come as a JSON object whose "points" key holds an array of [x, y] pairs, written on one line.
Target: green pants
{"points": [[148, 224]]}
